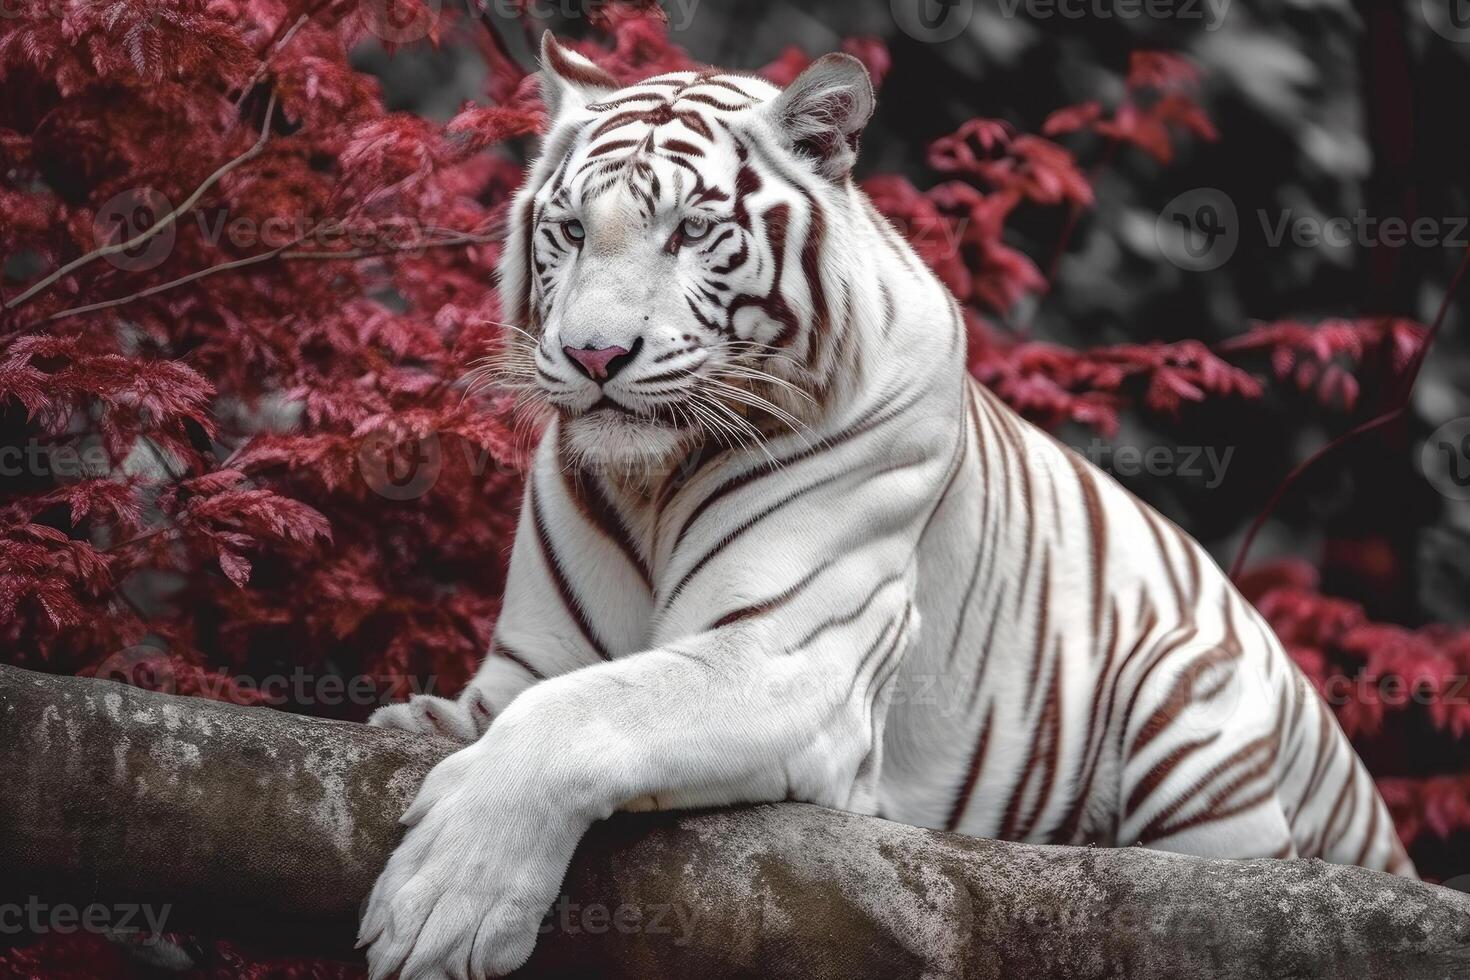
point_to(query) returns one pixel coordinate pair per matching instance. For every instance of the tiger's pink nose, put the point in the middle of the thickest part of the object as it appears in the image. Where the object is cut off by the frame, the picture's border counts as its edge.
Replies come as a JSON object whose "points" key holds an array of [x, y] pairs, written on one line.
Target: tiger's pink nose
{"points": [[598, 363]]}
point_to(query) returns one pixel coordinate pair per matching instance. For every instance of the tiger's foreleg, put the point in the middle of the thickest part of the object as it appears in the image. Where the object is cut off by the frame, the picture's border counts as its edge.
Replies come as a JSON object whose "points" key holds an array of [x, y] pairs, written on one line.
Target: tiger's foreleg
{"points": [[758, 710]]}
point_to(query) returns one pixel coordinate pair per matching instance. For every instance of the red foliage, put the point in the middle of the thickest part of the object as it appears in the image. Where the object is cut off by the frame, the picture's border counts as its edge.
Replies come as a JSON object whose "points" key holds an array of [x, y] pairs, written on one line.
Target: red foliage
{"points": [[243, 446], [1375, 676], [1366, 670], [1160, 101], [1322, 359]]}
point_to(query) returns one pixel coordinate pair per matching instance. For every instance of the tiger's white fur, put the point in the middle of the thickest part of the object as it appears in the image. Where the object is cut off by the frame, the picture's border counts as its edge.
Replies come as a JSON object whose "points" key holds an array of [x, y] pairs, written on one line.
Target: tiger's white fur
{"points": [[791, 551]]}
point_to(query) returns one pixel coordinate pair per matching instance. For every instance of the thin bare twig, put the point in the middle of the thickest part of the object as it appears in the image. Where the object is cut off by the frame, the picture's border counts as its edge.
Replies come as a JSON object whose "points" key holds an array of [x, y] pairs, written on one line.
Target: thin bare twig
{"points": [[265, 62]]}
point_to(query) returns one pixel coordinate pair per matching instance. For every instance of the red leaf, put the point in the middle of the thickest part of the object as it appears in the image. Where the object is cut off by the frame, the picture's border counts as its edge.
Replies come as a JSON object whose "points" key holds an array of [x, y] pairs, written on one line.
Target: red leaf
{"points": [[235, 567]]}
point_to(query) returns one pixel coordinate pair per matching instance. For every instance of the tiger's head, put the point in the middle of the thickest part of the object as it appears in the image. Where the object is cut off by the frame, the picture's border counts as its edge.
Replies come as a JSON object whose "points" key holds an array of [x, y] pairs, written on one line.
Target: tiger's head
{"points": [[675, 257]]}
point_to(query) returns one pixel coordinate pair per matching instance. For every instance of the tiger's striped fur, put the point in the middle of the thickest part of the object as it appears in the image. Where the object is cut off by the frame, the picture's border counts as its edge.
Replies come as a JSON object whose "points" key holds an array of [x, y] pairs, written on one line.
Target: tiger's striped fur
{"points": [[791, 551]]}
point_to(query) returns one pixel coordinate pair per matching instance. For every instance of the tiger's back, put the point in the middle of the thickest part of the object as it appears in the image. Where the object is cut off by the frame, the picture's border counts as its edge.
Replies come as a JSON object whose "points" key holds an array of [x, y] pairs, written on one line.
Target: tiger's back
{"points": [[1087, 673]]}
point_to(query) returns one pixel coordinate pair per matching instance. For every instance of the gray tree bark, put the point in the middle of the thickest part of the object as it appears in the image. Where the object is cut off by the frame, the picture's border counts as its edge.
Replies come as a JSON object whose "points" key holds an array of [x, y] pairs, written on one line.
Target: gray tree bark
{"points": [[273, 826]]}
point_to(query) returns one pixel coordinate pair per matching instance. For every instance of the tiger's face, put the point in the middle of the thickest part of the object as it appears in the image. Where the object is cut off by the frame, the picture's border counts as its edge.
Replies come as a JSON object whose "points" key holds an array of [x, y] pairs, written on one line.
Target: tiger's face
{"points": [[666, 256]]}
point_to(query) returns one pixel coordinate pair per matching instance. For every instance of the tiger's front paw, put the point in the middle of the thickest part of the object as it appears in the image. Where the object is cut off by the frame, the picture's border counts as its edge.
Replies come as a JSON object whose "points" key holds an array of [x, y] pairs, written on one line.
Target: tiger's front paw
{"points": [[484, 857], [464, 720]]}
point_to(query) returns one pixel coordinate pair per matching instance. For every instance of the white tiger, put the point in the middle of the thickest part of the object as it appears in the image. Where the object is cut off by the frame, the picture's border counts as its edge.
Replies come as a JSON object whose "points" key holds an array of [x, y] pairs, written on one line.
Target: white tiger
{"points": [[767, 469]]}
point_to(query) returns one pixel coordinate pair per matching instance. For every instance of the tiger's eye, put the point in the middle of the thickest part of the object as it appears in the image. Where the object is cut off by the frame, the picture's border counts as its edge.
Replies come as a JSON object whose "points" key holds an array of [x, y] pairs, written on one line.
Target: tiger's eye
{"points": [[574, 230], [695, 229]]}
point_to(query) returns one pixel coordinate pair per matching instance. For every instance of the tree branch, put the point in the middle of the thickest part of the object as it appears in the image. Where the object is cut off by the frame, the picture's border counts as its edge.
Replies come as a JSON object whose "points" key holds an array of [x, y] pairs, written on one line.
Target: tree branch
{"points": [[261, 822]]}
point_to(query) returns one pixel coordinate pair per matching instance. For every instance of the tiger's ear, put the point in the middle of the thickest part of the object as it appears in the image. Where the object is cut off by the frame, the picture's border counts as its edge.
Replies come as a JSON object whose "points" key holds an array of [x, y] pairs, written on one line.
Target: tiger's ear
{"points": [[569, 80], [823, 112]]}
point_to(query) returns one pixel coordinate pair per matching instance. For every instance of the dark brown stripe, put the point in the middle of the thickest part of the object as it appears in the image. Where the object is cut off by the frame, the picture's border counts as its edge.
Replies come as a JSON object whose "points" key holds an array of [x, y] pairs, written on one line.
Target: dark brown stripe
{"points": [[1371, 836], [559, 579], [1051, 724], [499, 649], [1181, 695], [1093, 741], [1334, 812], [849, 617], [882, 660], [682, 146], [1144, 788], [1159, 827], [599, 512], [1185, 607], [1097, 526], [869, 420], [972, 775], [610, 146], [1033, 676], [774, 602], [741, 529]]}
